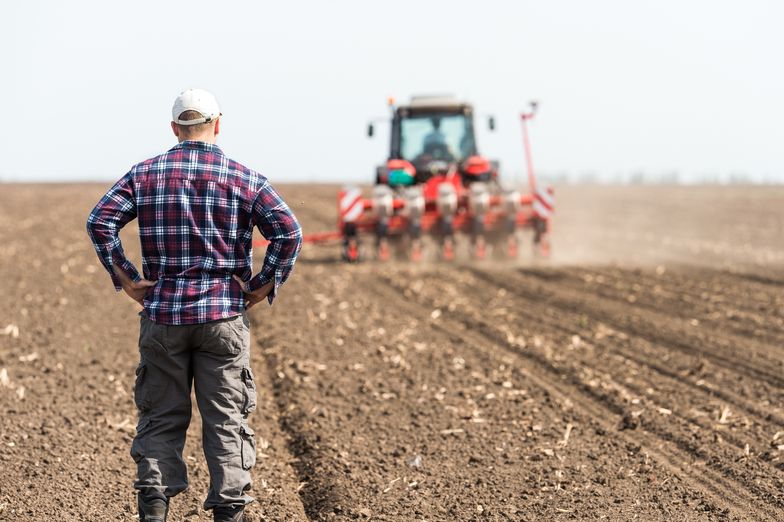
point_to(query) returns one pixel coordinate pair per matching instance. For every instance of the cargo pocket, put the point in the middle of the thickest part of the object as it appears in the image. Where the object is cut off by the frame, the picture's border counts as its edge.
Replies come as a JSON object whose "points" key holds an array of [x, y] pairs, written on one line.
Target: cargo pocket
{"points": [[141, 394], [249, 390], [248, 447]]}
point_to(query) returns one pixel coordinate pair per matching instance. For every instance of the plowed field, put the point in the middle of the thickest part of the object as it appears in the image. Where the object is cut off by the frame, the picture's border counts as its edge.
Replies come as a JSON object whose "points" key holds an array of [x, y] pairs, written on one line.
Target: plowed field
{"points": [[638, 375]]}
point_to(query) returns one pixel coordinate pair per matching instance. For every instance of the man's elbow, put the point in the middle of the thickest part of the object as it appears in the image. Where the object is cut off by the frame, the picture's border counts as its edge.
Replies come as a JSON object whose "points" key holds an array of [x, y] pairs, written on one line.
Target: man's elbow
{"points": [[295, 230], [298, 233], [295, 239], [99, 231], [90, 226]]}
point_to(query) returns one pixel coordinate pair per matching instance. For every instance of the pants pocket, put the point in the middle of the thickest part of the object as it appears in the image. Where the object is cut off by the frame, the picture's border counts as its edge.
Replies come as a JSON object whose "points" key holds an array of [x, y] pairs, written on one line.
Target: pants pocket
{"points": [[152, 336], [140, 389], [247, 446], [224, 337], [249, 390]]}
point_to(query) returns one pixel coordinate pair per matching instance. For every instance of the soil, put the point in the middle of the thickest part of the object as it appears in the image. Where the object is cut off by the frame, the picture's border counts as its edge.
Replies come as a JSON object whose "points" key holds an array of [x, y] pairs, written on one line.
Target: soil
{"points": [[637, 375]]}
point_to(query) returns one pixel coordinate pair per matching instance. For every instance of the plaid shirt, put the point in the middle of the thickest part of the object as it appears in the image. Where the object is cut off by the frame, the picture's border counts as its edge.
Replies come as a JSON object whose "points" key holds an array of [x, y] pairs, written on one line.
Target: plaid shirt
{"points": [[196, 210]]}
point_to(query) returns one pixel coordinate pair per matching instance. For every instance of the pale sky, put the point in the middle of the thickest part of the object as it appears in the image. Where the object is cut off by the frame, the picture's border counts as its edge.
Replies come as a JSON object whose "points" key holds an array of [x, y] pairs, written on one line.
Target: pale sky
{"points": [[692, 86]]}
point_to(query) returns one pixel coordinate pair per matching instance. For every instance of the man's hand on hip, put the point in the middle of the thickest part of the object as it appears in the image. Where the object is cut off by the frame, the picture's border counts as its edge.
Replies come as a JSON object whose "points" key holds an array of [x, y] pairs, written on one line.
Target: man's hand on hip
{"points": [[135, 289], [256, 296]]}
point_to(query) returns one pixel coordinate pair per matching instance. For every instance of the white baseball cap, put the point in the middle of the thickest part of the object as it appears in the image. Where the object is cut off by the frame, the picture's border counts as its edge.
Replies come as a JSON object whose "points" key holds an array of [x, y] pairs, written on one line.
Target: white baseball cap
{"points": [[197, 100]]}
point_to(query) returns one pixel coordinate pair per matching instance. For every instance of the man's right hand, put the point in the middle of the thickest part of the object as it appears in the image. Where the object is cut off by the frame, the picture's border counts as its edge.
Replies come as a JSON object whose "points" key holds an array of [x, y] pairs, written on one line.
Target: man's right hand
{"points": [[135, 289], [256, 296]]}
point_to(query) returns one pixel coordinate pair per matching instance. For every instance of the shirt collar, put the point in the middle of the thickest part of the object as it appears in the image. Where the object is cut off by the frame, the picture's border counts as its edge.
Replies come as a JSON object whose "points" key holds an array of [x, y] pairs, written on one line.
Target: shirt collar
{"points": [[198, 145]]}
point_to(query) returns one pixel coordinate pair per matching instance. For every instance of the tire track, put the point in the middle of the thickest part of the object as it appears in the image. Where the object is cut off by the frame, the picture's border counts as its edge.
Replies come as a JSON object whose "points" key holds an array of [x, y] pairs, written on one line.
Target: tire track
{"points": [[772, 419], [747, 320], [762, 441], [318, 490], [723, 491], [698, 280], [652, 326], [651, 347], [757, 278], [528, 311], [400, 401], [279, 501], [448, 455]]}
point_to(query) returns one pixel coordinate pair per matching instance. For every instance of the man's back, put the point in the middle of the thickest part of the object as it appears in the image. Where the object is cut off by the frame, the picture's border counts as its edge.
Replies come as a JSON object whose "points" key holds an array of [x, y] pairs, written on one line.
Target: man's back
{"points": [[196, 210]]}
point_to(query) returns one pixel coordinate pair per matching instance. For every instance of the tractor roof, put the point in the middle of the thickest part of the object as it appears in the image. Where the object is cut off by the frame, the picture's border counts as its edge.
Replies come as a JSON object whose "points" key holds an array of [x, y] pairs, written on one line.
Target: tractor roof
{"points": [[437, 102], [443, 104]]}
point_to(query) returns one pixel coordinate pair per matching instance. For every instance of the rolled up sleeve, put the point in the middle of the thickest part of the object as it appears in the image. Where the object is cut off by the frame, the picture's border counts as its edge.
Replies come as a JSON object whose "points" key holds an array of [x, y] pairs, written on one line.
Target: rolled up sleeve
{"points": [[116, 208], [280, 227]]}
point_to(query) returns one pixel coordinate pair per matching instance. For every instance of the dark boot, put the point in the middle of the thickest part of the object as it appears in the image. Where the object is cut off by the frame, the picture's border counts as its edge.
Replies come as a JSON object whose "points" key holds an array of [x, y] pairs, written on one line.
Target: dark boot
{"points": [[152, 510], [228, 514]]}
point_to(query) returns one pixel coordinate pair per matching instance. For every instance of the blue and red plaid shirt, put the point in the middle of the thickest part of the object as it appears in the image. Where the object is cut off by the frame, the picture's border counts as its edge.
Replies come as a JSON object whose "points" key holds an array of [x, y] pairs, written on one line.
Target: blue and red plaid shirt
{"points": [[196, 210]]}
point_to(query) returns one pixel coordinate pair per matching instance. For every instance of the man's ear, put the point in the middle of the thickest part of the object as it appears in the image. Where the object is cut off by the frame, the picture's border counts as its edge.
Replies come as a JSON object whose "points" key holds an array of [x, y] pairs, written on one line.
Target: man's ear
{"points": [[175, 129], [217, 126]]}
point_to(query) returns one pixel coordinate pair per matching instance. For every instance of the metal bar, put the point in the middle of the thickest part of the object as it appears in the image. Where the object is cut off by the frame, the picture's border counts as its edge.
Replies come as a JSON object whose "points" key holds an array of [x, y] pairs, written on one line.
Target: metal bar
{"points": [[318, 237], [528, 160], [527, 146]]}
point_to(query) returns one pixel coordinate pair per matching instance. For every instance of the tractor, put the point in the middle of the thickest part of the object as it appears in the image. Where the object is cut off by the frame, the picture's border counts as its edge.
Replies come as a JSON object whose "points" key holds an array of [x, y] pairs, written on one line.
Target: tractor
{"points": [[436, 183]]}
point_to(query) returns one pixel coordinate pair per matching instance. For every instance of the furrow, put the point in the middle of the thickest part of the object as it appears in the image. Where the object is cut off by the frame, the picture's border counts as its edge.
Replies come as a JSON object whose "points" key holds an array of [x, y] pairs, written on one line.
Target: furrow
{"points": [[676, 334], [672, 453]]}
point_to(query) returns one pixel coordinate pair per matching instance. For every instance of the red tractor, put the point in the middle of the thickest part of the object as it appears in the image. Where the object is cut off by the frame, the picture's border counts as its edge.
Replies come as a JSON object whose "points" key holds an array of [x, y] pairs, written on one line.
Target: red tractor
{"points": [[436, 183]]}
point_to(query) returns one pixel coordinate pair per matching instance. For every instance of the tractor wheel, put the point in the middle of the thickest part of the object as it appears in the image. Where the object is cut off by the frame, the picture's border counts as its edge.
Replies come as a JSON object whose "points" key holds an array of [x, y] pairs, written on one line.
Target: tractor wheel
{"points": [[448, 249], [383, 250], [416, 251], [544, 248], [512, 250], [351, 250], [480, 248], [541, 240]]}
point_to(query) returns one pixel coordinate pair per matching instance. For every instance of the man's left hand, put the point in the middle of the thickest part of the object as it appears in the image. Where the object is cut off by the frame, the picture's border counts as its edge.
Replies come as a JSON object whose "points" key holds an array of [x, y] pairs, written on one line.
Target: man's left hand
{"points": [[256, 296]]}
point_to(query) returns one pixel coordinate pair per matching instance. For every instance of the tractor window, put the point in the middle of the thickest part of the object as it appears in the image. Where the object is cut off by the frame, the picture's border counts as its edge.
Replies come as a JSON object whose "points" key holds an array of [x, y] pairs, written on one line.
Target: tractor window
{"points": [[446, 137]]}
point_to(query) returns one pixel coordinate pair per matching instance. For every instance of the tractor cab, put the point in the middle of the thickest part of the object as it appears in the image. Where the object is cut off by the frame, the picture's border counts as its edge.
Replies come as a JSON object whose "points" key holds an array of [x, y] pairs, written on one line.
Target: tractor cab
{"points": [[433, 137]]}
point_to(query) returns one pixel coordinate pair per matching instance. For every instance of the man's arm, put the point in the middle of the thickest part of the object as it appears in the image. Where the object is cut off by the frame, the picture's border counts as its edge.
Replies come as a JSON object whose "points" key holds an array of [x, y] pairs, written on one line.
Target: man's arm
{"points": [[116, 208], [279, 226]]}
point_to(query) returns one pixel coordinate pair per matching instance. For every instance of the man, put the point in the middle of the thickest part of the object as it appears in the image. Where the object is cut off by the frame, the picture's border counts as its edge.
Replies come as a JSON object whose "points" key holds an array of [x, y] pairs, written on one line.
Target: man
{"points": [[435, 136], [435, 143], [196, 210]]}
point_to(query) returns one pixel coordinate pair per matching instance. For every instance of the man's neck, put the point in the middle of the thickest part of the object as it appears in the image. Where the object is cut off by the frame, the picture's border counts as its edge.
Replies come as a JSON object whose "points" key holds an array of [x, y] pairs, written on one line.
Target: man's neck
{"points": [[204, 137]]}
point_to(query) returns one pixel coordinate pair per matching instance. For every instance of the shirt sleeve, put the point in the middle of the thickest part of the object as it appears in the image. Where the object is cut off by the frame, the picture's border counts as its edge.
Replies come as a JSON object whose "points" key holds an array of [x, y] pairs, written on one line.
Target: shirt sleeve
{"points": [[280, 227], [116, 208]]}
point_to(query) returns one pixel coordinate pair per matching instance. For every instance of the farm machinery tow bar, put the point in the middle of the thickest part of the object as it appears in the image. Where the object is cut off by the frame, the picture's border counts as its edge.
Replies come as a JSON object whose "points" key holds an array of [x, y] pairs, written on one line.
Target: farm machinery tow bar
{"points": [[435, 183]]}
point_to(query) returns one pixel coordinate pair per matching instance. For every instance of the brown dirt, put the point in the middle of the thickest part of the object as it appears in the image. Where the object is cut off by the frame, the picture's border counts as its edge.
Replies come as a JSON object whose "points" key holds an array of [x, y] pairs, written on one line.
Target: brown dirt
{"points": [[637, 375]]}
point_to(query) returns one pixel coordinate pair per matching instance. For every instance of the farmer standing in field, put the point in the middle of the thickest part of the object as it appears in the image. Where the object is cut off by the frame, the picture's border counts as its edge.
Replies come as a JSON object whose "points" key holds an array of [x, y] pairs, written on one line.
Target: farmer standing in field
{"points": [[196, 210]]}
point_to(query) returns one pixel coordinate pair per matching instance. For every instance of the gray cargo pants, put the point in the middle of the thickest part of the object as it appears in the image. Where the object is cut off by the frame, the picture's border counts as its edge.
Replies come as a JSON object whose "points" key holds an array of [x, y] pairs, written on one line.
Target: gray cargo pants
{"points": [[215, 358]]}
